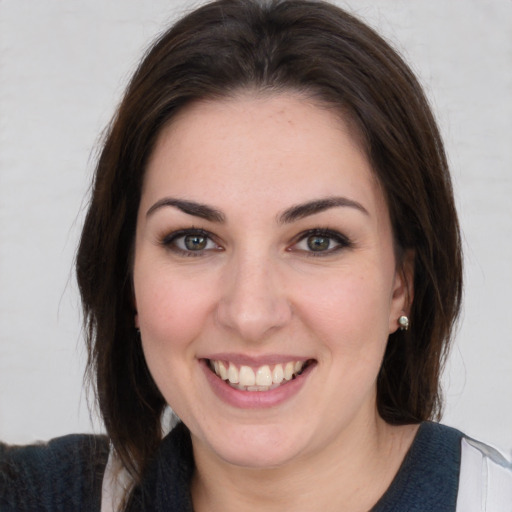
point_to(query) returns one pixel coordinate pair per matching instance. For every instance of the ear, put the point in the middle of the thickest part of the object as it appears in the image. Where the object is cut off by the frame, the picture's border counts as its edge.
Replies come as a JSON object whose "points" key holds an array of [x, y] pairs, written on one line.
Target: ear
{"points": [[403, 290]]}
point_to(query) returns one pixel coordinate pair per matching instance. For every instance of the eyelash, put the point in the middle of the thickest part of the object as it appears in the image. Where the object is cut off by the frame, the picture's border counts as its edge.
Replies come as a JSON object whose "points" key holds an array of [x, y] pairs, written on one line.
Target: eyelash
{"points": [[341, 241], [170, 241]]}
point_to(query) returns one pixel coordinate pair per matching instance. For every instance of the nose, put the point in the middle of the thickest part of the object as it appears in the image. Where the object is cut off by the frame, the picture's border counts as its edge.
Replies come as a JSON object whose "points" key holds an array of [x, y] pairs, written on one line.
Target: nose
{"points": [[253, 301]]}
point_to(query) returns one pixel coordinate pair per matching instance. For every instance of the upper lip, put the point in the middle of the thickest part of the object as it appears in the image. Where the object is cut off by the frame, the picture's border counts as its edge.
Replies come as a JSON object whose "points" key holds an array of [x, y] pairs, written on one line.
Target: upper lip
{"points": [[255, 361]]}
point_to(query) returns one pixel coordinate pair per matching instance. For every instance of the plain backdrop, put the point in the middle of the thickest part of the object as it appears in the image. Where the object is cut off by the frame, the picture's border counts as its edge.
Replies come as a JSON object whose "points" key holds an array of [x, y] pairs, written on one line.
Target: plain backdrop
{"points": [[63, 67]]}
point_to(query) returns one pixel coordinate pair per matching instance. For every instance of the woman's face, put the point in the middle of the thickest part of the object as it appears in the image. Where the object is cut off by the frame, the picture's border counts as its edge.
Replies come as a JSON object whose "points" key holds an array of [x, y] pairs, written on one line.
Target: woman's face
{"points": [[265, 278]]}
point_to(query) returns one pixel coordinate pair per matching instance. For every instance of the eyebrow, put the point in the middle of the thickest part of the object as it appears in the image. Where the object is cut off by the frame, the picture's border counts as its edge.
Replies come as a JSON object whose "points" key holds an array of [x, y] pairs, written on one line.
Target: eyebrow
{"points": [[291, 214], [190, 207], [300, 211]]}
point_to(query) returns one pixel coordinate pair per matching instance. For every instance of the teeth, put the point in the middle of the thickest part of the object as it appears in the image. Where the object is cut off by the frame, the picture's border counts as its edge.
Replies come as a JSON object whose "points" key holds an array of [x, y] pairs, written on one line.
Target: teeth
{"points": [[261, 379], [232, 374], [246, 376], [288, 371], [278, 374], [222, 371], [263, 376], [257, 388]]}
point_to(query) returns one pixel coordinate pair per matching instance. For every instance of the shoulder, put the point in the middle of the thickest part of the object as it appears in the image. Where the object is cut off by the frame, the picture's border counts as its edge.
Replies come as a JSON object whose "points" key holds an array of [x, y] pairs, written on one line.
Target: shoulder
{"points": [[485, 482], [62, 474], [484, 473], [446, 470]]}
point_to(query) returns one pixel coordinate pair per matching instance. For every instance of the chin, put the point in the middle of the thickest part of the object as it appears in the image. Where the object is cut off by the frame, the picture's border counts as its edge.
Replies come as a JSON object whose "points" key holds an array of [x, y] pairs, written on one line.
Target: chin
{"points": [[256, 447]]}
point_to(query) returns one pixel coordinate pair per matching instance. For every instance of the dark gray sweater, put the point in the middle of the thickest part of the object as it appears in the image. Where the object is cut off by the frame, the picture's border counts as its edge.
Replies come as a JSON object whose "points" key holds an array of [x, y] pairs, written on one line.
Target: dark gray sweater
{"points": [[66, 475]]}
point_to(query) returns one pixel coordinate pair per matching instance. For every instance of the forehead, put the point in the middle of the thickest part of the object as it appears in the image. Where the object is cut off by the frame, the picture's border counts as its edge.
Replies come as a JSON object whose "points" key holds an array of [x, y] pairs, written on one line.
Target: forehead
{"points": [[252, 144]]}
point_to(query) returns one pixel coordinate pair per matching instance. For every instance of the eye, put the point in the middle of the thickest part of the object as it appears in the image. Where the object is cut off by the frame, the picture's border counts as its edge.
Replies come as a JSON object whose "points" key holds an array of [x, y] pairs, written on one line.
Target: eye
{"points": [[190, 242], [320, 242]]}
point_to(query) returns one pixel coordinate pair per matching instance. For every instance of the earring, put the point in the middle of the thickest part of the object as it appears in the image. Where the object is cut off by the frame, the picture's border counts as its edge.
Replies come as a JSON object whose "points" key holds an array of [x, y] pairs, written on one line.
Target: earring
{"points": [[403, 322]]}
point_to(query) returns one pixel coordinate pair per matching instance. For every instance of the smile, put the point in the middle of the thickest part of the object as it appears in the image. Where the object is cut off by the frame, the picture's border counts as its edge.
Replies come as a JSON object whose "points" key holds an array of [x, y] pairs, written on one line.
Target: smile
{"points": [[261, 378]]}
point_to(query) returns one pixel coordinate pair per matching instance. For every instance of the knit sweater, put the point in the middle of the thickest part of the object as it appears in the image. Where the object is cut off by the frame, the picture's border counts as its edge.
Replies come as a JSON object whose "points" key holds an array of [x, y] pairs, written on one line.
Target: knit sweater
{"points": [[66, 475]]}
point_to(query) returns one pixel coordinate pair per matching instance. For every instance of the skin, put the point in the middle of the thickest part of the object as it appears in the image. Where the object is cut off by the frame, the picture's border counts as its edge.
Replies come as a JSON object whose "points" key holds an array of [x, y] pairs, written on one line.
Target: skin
{"points": [[257, 290]]}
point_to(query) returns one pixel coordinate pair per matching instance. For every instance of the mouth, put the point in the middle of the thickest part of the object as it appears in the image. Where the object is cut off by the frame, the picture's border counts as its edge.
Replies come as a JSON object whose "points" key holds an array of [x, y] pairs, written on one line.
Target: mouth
{"points": [[261, 378]]}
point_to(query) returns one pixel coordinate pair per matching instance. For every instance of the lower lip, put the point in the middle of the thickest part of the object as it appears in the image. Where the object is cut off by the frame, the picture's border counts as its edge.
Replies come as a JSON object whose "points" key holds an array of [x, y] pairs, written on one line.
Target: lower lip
{"points": [[255, 399]]}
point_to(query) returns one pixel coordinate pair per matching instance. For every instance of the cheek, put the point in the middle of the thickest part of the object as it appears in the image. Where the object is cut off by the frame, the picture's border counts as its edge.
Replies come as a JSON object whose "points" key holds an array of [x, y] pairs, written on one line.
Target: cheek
{"points": [[171, 313], [349, 311], [171, 318]]}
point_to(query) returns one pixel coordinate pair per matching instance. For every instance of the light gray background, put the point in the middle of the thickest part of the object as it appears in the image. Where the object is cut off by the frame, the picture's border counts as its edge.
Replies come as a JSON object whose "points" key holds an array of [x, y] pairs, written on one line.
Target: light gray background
{"points": [[63, 66]]}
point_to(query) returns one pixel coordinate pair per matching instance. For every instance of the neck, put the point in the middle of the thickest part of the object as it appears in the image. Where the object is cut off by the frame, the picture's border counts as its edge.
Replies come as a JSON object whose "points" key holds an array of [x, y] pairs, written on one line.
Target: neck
{"points": [[350, 474]]}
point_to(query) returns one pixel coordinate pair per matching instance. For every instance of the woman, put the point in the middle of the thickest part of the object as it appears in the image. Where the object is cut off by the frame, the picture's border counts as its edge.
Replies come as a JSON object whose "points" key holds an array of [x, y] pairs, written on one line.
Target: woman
{"points": [[272, 250]]}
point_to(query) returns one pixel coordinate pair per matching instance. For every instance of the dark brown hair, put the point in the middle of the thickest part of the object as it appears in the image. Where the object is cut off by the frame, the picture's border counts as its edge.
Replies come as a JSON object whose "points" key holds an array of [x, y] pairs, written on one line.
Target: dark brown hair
{"points": [[306, 46]]}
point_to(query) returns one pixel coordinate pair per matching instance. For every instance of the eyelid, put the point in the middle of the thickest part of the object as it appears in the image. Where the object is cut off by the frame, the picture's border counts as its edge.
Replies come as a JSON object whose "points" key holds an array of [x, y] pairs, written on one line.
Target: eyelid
{"points": [[168, 241], [341, 240]]}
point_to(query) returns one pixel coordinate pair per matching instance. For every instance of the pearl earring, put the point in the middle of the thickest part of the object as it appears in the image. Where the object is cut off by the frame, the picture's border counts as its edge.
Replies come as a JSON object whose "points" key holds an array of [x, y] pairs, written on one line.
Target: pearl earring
{"points": [[403, 322]]}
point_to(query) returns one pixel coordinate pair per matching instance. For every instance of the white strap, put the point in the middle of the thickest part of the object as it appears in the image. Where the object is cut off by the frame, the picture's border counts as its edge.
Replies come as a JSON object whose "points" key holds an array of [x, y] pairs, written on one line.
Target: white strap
{"points": [[485, 481]]}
